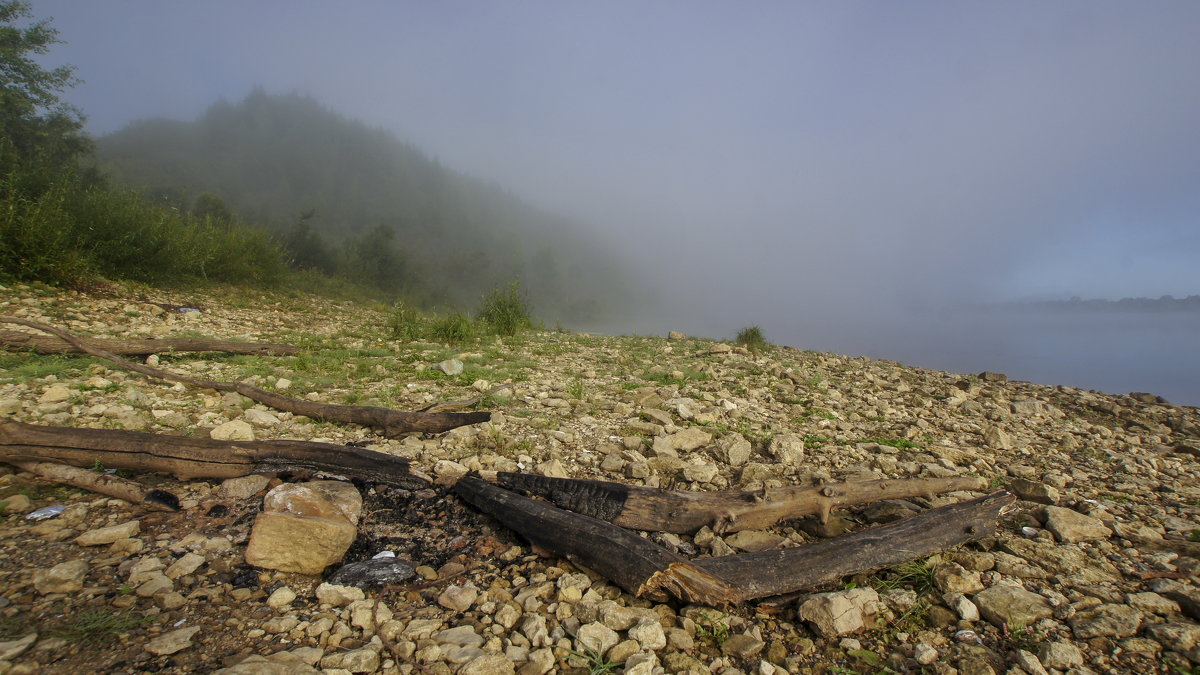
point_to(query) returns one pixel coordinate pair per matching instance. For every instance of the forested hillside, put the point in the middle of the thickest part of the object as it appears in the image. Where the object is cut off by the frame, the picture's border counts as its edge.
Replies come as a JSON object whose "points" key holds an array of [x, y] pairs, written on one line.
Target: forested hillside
{"points": [[351, 200]]}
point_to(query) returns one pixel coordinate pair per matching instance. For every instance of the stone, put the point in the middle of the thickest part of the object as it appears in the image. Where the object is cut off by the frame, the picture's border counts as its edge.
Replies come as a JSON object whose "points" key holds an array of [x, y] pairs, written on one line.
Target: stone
{"points": [[534, 629], [458, 598], [954, 578], [1033, 491], [338, 596], [281, 597], [450, 367], [17, 504], [997, 438], [1106, 621], [300, 544], [595, 637], [490, 664], [733, 449], [1178, 637], [463, 636], [649, 634], [1070, 526], [834, 614], [110, 534], [65, 577], [966, 610], [10, 406], [373, 573], [755, 540], [1009, 605], [924, 654], [1153, 603], [1060, 655], [56, 393], [362, 660], [788, 449], [675, 335], [702, 472], [742, 646], [172, 642], [683, 441], [260, 418], [1029, 663], [243, 487], [237, 430], [319, 498], [186, 564], [281, 663], [11, 649]]}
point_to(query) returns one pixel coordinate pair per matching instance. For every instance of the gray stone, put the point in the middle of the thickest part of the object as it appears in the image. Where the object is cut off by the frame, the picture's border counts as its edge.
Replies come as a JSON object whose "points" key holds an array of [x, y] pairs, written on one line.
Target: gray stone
{"points": [[1010, 605], [450, 367], [1106, 621], [282, 663], [954, 578], [11, 649], [464, 636], [300, 544], [788, 449], [65, 577], [373, 573], [742, 646], [1029, 663], [170, 643], [186, 564], [260, 418], [281, 597], [997, 438], [1071, 526], [838, 613], [490, 664], [458, 598], [56, 393], [683, 441], [755, 540], [649, 634], [595, 637], [733, 449], [17, 504]]}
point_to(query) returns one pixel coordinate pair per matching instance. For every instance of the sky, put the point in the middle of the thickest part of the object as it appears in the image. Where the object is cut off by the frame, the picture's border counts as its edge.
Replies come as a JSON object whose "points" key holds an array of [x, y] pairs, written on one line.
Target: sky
{"points": [[754, 159]]}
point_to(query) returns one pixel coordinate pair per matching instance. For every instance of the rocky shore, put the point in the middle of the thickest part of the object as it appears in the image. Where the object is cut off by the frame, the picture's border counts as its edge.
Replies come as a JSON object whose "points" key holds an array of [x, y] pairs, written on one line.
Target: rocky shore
{"points": [[1095, 571]]}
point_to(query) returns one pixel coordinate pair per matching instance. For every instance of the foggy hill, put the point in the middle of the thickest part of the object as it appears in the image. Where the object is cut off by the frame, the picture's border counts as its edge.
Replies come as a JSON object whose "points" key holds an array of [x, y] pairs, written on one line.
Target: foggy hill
{"points": [[293, 165]]}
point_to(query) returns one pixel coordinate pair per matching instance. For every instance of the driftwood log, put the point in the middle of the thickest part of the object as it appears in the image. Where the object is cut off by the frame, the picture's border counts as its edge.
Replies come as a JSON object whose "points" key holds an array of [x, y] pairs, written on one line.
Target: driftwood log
{"points": [[643, 508], [16, 341], [393, 423], [188, 458], [102, 483], [647, 570]]}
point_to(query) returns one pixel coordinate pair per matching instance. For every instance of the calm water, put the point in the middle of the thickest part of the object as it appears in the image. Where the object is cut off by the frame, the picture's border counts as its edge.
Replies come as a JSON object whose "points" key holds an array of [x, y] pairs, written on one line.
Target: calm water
{"points": [[1114, 352]]}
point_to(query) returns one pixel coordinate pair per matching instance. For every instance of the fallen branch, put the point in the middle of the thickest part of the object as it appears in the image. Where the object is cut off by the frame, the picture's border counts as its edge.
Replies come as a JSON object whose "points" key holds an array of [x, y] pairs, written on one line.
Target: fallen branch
{"points": [[643, 508], [393, 422], [102, 483], [188, 458], [42, 344], [644, 569]]}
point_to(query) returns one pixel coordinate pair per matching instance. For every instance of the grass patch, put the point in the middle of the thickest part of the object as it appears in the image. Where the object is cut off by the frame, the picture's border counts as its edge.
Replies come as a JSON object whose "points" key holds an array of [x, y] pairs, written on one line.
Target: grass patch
{"points": [[452, 328], [93, 626], [752, 338], [505, 311]]}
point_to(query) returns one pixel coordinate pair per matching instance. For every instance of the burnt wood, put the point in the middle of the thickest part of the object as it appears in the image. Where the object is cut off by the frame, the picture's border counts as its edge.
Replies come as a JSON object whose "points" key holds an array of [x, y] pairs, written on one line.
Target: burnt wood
{"points": [[13, 340]]}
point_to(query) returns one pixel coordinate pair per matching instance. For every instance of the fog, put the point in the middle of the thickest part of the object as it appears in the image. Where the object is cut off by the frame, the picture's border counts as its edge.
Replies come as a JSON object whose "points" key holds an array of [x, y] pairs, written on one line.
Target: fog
{"points": [[837, 173]]}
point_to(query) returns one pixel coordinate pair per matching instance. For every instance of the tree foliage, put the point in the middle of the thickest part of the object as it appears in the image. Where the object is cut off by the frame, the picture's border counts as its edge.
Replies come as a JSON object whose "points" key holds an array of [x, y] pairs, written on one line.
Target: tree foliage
{"points": [[39, 132]]}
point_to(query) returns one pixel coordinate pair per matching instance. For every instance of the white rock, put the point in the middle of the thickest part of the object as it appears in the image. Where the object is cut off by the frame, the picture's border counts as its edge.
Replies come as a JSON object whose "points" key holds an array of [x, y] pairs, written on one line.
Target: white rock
{"points": [[237, 430]]}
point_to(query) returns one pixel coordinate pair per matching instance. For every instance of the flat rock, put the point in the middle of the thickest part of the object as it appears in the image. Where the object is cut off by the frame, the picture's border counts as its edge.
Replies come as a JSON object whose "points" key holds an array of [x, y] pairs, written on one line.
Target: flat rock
{"points": [[1106, 621], [683, 441], [838, 613], [172, 642], [56, 393], [243, 487], [755, 540], [338, 595], [11, 649], [362, 660], [300, 544], [1180, 637], [1033, 491], [107, 535], [373, 573], [1070, 526], [788, 449], [1010, 605]]}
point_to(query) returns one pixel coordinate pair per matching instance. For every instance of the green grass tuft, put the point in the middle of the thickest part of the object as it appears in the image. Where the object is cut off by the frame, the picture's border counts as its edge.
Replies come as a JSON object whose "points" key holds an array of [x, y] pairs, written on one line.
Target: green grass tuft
{"points": [[752, 338], [505, 311]]}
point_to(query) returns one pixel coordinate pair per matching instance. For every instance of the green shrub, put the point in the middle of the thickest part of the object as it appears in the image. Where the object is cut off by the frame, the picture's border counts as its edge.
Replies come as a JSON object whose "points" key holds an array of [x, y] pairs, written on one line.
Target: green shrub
{"points": [[451, 328], [751, 338], [405, 322], [505, 310]]}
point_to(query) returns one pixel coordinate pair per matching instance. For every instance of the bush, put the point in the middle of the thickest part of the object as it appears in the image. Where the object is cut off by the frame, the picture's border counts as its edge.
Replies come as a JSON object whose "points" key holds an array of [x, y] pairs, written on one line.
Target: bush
{"points": [[505, 311], [751, 338], [451, 328], [405, 323]]}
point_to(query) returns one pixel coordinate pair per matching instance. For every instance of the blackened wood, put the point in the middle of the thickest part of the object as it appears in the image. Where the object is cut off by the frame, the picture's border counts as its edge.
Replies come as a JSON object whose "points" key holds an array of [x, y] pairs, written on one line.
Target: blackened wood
{"points": [[45, 344], [628, 560], [103, 483], [643, 508], [759, 575], [393, 422], [188, 458]]}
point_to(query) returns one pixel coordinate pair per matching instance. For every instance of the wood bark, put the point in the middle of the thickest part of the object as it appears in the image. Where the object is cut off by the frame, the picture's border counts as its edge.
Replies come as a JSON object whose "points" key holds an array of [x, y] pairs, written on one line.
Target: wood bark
{"points": [[393, 423], [646, 570], [102, 483], [643, 508], [45, 344], [188, 458]]}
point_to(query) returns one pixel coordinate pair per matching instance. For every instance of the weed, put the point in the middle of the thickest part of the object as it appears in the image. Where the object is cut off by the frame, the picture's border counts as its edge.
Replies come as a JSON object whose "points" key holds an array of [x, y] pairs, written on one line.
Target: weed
{"points": [[1021, 636], [405, 323], [505, 311], [595, 662], [1194, 535], [815, 441], [751, 338], [575, 389], [452, 328], [716, 632], [93, 626], [914, 574]]}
